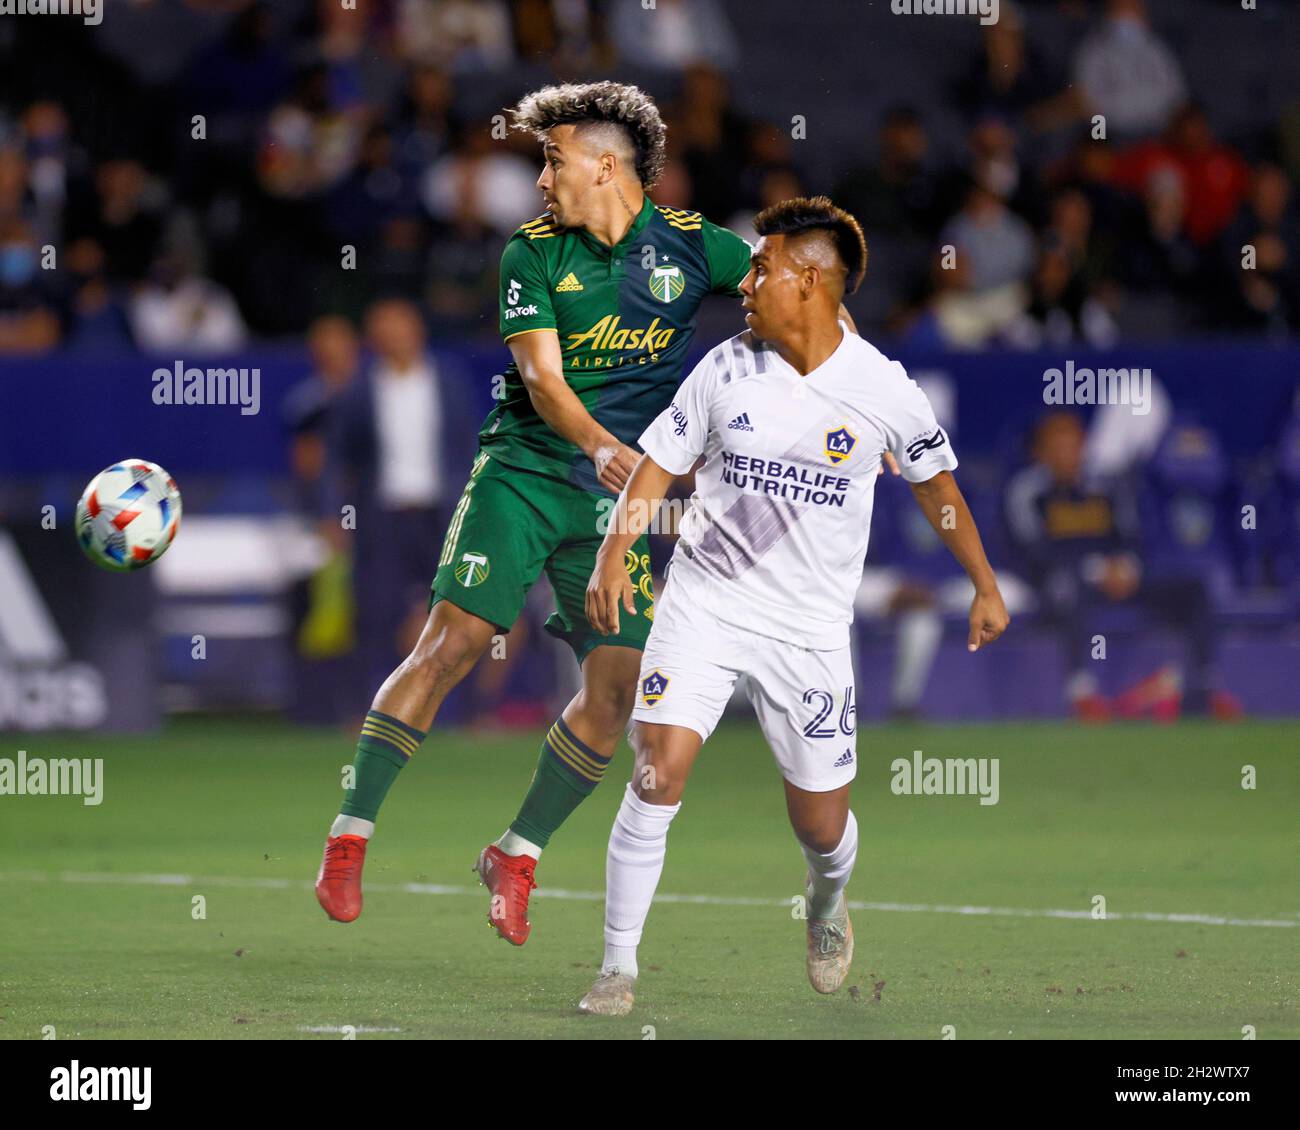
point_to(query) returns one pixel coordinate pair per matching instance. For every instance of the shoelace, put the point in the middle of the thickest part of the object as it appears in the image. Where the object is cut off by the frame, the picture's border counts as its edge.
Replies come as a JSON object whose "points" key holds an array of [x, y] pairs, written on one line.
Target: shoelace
{"points": [[828, 937], [527, 873], [338, 857]]}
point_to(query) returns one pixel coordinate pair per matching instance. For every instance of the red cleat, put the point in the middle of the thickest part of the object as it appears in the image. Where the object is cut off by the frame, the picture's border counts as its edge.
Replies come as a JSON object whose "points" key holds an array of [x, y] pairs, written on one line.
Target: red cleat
{"points": [[1092, 708], [1226, 707], [338, 883], [510, 880]]}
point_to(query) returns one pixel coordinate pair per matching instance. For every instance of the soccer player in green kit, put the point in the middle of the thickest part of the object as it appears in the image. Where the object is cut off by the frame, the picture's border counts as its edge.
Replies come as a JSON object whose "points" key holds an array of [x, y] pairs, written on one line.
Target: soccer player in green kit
{"points": [[598, 296]]}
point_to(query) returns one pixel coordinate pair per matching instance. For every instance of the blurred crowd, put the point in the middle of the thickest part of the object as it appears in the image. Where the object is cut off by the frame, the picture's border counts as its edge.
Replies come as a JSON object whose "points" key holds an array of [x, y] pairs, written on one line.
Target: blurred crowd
{"points": [[200, 167]]}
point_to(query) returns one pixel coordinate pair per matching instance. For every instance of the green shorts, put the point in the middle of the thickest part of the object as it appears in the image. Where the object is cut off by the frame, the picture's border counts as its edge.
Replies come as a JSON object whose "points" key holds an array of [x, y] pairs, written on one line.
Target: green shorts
{"points": [[511, 524]]}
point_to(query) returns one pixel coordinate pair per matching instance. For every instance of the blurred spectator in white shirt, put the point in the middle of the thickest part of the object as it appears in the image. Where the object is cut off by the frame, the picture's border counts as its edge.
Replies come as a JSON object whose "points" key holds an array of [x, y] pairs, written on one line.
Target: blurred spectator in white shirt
{"points": [[179, 311], [1128, 74], [673, 34]]}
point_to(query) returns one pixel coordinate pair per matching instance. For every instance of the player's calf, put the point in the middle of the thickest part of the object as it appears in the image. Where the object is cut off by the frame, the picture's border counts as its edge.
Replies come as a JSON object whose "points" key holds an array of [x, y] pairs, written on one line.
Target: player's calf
{"points": [[830, 933], [393, 730]]}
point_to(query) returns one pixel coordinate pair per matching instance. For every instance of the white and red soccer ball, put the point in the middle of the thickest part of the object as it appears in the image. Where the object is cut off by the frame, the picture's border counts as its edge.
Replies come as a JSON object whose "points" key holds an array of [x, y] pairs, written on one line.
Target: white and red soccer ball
{"points": [[128, 515]]}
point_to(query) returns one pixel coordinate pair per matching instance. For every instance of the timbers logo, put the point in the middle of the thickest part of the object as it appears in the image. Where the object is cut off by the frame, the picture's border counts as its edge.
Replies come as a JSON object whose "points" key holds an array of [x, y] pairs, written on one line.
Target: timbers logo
{"points": [[472, 569], [666, 283]]}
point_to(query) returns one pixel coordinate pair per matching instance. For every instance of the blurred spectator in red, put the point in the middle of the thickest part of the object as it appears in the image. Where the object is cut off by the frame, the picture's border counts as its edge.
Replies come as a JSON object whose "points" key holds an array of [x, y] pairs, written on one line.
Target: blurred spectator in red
{"points": [[1214, 177]]}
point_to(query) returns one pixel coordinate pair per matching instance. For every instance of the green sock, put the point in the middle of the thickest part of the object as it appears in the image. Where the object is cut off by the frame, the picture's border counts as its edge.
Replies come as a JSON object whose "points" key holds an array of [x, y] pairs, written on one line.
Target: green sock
{"points": [[567, 773], [385, 745]]}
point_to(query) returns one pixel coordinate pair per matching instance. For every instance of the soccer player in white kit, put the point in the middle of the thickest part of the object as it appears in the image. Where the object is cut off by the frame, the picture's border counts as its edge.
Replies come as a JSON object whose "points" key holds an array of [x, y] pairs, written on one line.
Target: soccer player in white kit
{"points": [[793, 418]]}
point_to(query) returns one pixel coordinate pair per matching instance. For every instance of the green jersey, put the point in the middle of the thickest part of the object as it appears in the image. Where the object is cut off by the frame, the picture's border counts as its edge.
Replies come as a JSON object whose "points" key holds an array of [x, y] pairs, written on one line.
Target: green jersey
{"points": [[624, 315]]}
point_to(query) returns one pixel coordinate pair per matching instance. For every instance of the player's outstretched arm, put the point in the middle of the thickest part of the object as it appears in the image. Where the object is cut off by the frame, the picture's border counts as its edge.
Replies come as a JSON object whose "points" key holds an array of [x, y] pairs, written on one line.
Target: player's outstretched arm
{"points": [[943, 504], [637, 505], [542, 370]]}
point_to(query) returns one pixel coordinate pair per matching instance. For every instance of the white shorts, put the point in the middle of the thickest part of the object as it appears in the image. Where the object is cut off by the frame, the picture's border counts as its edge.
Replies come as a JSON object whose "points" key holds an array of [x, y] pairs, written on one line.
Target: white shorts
{"points": [[804, 699]]}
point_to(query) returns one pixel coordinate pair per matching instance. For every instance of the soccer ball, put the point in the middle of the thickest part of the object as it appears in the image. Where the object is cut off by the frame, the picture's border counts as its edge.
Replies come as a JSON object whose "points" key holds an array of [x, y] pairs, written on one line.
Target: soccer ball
{"points": [[128, 515]]}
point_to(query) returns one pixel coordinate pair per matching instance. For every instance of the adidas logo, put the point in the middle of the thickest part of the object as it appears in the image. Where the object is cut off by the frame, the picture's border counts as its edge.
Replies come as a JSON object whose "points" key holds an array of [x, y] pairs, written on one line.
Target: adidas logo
{"points": [[846, 758], [741, 423], [568, 283]]}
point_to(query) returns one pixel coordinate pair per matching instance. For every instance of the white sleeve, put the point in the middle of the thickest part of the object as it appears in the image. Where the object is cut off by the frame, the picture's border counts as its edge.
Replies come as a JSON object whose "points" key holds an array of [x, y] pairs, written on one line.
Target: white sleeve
{"points": [[675, 438], [919, 444]]}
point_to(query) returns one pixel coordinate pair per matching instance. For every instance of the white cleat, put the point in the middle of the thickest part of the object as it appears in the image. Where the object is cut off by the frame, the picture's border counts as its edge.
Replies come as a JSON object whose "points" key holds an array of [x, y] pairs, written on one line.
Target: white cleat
{"points": [[830, 949], [611, 995]]}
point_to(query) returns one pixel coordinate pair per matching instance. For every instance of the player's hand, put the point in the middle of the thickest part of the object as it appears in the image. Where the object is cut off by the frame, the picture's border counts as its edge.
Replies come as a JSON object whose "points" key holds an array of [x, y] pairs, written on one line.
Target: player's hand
{"points": [[988, 619], [890, 462], [609, 587], [614, 463]]}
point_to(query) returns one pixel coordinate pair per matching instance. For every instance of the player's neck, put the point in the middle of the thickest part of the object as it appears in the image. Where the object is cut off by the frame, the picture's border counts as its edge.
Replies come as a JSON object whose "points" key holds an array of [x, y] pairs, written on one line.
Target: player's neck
{"points": [[616, 213], [808, 347]]}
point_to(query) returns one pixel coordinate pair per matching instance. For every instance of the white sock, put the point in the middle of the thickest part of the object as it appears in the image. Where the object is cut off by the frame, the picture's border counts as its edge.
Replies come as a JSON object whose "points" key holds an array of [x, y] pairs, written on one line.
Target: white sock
{"points": [[352, 826], [830, 872], [637, 845], [513, 844], [919, 634]]}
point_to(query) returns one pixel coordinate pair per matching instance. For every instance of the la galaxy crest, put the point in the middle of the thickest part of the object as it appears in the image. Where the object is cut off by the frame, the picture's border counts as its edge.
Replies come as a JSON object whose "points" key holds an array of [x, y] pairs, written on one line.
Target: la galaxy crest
{"points": [[653, 687], [839, 445]]}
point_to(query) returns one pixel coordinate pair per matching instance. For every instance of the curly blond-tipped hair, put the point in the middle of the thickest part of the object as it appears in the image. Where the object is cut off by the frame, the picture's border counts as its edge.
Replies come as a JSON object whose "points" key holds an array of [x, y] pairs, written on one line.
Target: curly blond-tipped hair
{"points": [[600, 103]]}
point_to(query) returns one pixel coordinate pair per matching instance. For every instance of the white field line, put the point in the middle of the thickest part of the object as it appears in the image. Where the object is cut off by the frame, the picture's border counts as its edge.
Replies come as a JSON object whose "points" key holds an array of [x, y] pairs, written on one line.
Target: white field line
{"points": [[166, 880], [340, 1028]]}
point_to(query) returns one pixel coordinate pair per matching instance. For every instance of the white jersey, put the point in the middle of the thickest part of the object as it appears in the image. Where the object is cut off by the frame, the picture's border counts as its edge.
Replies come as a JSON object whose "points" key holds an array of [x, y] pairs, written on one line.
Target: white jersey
{"points": [[776, 532]]}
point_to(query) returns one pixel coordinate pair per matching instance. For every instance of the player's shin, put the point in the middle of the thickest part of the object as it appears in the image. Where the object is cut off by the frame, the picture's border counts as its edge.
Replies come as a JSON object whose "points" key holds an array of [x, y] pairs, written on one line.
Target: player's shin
{"points": [[383, 748], [829, 873], [568, 771], [638, 843]]}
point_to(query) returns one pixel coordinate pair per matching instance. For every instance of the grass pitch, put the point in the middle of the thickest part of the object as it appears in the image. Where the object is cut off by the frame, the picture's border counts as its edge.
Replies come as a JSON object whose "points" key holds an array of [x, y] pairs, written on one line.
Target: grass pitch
{"points": [[963, 925]]}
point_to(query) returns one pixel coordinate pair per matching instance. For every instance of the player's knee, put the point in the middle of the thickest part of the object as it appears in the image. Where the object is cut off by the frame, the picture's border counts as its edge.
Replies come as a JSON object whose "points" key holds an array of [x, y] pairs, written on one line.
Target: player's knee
{"points": [[442, 659], [607, 706], [655, 779], [821, 836], [657, 784]]}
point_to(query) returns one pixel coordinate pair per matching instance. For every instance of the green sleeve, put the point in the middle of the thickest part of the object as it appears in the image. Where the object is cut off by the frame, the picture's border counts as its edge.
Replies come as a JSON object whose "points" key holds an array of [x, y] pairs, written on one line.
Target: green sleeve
{"points": [[524, 289], [728, 257]]}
